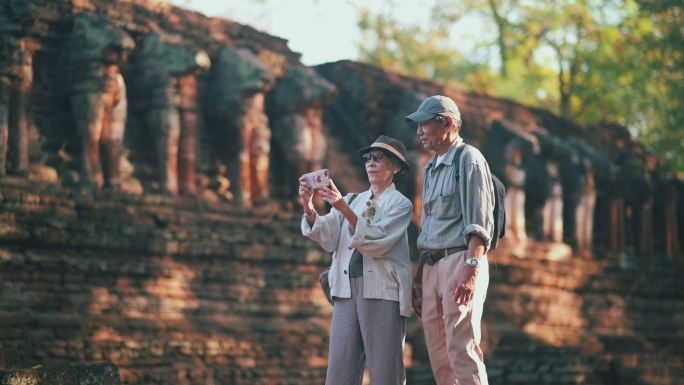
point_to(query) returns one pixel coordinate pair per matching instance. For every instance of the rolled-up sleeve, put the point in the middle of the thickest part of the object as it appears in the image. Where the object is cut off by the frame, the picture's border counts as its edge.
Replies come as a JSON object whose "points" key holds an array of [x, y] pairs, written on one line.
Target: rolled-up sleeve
{"points": [[377, 239], [477, 198], [325, 230]]}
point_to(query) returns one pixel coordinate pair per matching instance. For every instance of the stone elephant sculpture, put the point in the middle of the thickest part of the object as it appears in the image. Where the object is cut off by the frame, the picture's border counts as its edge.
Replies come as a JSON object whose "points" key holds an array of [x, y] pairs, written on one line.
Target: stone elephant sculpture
{"points": [[236, 112], [16, 81], [296, 109], [166, 72], [95, 51]]}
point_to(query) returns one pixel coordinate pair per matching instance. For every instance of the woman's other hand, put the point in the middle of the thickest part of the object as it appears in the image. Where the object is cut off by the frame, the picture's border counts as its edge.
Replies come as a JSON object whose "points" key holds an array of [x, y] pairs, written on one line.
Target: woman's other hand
{"points": [[332, 195]]}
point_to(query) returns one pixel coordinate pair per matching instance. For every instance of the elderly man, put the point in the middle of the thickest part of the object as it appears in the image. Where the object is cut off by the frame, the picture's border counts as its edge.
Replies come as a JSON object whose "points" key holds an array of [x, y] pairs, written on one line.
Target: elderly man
{"points": [[456, 230]]}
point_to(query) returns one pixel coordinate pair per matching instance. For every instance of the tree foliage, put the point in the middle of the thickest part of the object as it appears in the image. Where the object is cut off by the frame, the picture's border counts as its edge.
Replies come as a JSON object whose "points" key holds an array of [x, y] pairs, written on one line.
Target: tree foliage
{"points": [[589, 60]]}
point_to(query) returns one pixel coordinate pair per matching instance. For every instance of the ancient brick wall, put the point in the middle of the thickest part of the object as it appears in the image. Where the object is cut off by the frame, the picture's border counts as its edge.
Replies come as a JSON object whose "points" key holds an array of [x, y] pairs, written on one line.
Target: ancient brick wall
{"points": [[170, 292], [584, 321], [576, 321], [194, 293]]}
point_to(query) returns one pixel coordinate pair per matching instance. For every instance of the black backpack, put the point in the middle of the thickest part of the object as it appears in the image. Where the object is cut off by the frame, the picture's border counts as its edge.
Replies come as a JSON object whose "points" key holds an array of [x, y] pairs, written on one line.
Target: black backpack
{"points": [[499, 197]]}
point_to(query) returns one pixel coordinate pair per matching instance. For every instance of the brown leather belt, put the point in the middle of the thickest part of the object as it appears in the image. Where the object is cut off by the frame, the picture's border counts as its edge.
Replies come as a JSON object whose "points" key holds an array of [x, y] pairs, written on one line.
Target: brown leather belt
{"points": [[432, 256]]}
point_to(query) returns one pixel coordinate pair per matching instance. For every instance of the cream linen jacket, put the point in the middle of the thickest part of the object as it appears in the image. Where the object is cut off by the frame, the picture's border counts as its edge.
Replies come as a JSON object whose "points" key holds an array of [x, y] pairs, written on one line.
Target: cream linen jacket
{"points": [[383, 243]]}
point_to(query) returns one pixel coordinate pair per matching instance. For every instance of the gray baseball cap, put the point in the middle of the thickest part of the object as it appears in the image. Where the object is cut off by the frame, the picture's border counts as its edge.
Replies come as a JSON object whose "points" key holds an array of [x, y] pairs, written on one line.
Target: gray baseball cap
{"points": [[433, 106]]}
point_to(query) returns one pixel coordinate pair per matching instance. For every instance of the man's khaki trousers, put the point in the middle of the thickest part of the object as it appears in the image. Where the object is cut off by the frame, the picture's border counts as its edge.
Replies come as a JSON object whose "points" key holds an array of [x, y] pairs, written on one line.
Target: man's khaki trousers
{"points": [[452, 332]]}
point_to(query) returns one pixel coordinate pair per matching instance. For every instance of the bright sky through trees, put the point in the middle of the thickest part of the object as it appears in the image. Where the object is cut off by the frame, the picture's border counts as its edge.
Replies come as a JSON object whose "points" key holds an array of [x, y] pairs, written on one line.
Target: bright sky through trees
{"points": [[321, 30]]}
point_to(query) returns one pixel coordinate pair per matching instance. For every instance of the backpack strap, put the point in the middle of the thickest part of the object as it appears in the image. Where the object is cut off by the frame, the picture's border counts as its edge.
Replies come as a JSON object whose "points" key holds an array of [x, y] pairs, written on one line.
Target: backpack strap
{"points": [[457, 174], [349, 202], [457, 161]]}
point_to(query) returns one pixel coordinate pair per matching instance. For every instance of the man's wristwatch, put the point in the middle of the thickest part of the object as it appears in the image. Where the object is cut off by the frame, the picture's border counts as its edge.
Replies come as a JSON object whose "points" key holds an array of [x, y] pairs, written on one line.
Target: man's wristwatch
{"points": [[474, 262]]}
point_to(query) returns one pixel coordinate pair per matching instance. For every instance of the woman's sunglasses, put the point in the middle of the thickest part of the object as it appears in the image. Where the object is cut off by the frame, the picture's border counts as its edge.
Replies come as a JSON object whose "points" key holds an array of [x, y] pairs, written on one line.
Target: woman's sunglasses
{"points": [[367, 157]]}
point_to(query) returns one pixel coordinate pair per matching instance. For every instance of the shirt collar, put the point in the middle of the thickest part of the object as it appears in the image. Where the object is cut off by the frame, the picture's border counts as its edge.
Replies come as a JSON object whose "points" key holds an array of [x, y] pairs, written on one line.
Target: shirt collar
{"points": [[388, 189], [448, 158]]}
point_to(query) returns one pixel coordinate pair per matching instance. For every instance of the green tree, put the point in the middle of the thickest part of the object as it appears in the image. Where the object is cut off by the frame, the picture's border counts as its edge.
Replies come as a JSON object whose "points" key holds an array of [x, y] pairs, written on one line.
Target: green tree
{"points": [[499, 13], [409, 49], [661, 52], [589, 60]]}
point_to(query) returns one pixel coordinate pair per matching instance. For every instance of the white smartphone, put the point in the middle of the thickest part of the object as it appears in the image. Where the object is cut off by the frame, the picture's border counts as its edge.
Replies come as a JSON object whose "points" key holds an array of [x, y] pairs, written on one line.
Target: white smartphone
{"points": [[317, 179]]}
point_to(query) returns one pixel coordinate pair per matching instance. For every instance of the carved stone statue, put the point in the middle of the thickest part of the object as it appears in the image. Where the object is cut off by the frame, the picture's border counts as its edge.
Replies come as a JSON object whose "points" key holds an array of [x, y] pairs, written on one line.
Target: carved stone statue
{"points": [[543, 189], [617, 236], [584, 213], [515, 193], [236, 109], [95, 51], [510, 165], [509, 146], [16, 80], [645, 219], [571, 177], [165, 93], [295, 105], [678, 225], [537, 192], [553, 209], [637, 204], [665, 210], [564, 170]]}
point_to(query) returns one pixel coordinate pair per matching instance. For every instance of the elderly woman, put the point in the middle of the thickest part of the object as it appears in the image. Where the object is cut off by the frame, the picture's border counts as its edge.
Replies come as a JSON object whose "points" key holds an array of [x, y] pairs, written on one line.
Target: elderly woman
{"points": [[370, 275]]}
